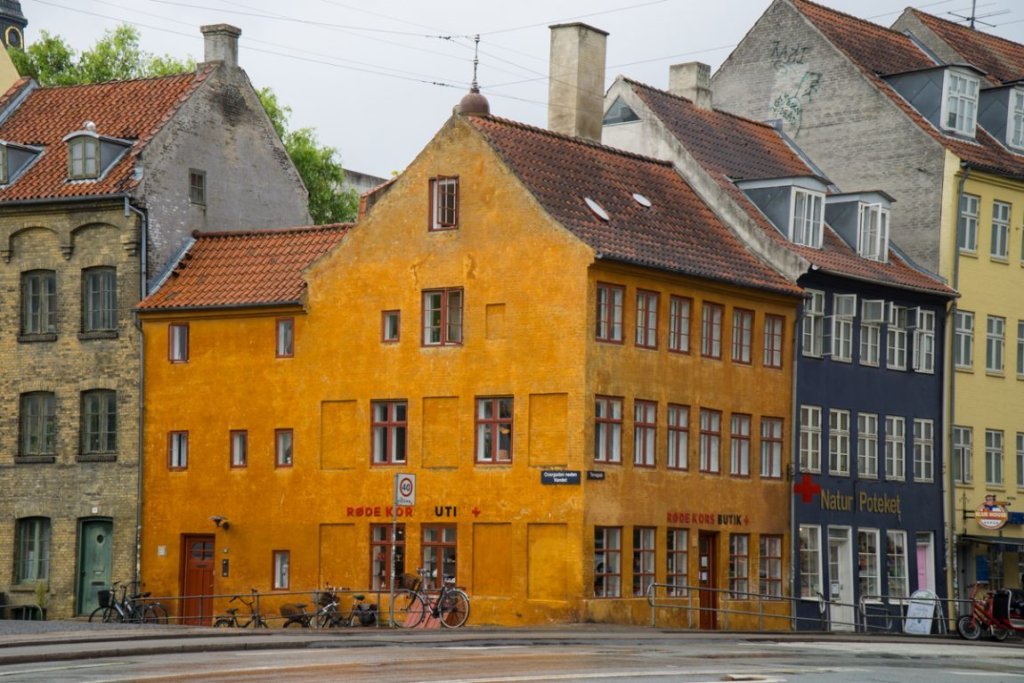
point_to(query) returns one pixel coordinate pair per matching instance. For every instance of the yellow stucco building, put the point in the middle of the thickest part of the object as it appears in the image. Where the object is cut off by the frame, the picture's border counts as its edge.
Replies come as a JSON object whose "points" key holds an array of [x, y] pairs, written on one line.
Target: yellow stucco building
{"points": [[588, 374]]}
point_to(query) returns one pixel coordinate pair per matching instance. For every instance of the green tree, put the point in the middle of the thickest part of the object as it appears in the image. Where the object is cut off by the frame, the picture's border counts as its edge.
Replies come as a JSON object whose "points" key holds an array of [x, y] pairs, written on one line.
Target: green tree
{"points": [[118, 56]]}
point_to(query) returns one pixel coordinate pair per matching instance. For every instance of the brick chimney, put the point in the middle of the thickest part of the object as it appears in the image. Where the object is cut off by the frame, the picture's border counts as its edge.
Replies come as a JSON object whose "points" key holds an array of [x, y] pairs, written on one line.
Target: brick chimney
{"points": [[576, 86], [221, 43], [692, 81]]}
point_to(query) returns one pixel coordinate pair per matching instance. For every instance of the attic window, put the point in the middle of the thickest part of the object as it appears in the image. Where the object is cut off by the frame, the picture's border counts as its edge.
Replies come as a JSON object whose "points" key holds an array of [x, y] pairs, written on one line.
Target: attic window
{"points": [[597, 209], [641, 200], [83, 157], [959, 102], [619, 112], [807, 217], [1015, 125], [4, 174], [873, 232]]}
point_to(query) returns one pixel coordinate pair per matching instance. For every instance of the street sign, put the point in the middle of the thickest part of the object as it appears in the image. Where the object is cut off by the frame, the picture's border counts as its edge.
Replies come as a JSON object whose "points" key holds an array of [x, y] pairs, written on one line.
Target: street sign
{"points": [[405, 489]]}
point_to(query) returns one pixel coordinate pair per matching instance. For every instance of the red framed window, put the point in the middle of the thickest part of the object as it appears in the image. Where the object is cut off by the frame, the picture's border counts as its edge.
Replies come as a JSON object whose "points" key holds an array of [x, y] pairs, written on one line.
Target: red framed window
{"points": [[388, 429], [390, 325], [771, 448], [494, 430], [679, 312], [647, 319], [742, 335], [710, 440], [739, 445], [711, 330], [440, 553], [177, 342], [442, 316], [677, 558], [380, 554], [607, 562], [281, 578], [773, 330], [607, 429], [678, 437], [444, 203], [609, 312], [285, 337], [283, 444], [770, 565], [643, 559], [239, 440], [739, 565], [177, 450], [645, 432]]}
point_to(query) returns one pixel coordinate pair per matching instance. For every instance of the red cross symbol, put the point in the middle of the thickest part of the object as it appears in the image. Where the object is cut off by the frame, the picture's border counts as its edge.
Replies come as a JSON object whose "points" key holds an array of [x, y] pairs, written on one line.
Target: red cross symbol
{"points": [[807, 488], [475, 511]]}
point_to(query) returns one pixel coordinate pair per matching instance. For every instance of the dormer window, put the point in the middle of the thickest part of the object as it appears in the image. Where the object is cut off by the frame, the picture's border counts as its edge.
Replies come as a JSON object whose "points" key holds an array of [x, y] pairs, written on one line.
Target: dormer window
{"points": [[807, 218], [1015, 124], [83, 157], [873, 232], [959, 102], [4, 173]]}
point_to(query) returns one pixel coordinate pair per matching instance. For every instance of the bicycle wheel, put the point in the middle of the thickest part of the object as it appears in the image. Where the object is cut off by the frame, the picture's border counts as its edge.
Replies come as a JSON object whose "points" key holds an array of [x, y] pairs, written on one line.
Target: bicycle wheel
{"points": [[968, 627], [259, 622], [150, 615], [223, 622], [999, 633], [408, 609], [454, 609], [160, 611], [103, 614]]}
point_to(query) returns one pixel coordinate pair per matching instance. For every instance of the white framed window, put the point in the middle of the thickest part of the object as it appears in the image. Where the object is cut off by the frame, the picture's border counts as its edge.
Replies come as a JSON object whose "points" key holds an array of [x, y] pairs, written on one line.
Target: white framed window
{"points": [[813, 323], [872, 315], [994, 457], [895, 448], [844, 308], [810, 561], [677, 562], [924, 450], [873, 232], [807, 217], [959, 102], [285, 341], [867, 445], [839, 442], [810, 438], [963, 340], [967, 224], [867, 562], [999, 246], [444, 203], [1015, 120], [177, 450], [770, 566], [282, 573], [994, 338], [963, 438], [83, 157], [896, 338], [239, 448], [924, 342], [896, 559], [177, 343], [1020, 460]]}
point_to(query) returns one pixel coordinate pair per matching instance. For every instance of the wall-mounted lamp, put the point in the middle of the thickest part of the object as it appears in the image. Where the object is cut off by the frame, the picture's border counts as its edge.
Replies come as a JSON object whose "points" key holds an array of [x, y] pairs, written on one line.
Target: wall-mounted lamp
{"points": [[221, 522]]}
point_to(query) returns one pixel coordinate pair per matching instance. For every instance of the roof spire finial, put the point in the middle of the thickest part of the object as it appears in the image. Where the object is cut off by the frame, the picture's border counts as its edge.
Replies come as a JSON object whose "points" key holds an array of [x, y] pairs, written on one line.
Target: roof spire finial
{"points": [[475, 87], [474, 104]]}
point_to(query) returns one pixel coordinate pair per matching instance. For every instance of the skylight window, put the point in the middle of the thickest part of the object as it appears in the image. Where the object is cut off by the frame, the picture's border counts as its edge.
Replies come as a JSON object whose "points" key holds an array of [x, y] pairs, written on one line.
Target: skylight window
{"points": [[597, 209], [959, 102], [641, 200]]}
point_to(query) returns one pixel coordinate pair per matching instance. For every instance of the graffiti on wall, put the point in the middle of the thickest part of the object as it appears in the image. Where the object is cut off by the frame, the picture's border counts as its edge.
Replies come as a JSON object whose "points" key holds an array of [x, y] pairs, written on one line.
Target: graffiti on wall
{"points": [[785, 57], [790, 63], [789, 106]]}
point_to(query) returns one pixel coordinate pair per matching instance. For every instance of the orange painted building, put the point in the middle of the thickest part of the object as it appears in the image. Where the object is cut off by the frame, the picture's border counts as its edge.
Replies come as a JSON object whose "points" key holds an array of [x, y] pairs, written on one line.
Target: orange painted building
{"points": [[588, 374]]}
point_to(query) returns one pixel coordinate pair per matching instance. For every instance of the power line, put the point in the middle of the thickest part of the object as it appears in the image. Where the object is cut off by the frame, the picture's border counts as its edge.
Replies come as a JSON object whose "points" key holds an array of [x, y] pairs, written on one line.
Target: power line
{"points": [[580, 16]]}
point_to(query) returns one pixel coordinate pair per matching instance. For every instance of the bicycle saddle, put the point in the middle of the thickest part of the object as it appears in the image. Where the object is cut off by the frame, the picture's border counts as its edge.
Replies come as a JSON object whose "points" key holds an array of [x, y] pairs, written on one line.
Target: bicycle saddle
{"points": [[358, 597], [233, 611]]}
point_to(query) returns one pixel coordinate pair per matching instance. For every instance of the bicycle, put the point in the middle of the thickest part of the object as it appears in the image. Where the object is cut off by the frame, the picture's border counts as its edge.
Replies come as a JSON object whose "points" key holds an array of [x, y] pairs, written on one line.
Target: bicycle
{"points": [[256, 619], [329, 614], [450, 607], [127, 610]]}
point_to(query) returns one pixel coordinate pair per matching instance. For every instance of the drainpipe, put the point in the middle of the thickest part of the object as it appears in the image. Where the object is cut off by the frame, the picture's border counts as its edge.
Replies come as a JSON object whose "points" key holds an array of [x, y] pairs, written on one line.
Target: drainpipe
{"points": [[952, 551], [143, 275]]}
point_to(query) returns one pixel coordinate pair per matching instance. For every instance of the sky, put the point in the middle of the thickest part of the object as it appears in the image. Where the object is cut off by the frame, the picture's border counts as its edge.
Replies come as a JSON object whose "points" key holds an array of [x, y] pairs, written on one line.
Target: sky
{"points": [[377, 80]]}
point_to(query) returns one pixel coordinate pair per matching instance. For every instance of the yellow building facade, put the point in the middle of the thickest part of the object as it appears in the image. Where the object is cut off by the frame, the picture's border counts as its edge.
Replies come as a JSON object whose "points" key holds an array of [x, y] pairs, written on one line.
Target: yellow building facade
{"points": [[583, 419]]}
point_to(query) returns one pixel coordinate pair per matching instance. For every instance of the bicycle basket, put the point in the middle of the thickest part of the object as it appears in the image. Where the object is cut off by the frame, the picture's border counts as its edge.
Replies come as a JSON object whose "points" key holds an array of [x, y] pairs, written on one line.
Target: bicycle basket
{"points": [[323, 598], [410, 582], [291, 610], [105, 597]]}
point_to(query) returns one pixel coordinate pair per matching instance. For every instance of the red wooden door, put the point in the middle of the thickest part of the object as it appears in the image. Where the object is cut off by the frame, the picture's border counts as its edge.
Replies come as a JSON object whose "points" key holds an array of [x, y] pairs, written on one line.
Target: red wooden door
{"points": [[707, 569], [197, 580]]}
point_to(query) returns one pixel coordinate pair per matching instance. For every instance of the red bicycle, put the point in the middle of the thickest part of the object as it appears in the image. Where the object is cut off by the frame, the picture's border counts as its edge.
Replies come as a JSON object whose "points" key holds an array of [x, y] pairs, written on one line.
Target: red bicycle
{"points": [[1000, 613]]}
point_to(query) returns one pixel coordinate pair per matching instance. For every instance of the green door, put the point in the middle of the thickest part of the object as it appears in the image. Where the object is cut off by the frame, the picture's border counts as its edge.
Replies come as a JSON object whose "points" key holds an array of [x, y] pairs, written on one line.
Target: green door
{"points": [[94, 562]]}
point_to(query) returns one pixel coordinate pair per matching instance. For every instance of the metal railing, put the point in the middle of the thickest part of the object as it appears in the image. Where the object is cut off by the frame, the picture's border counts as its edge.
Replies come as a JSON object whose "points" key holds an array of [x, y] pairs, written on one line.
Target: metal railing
{"points": [[884, 613], [724, 604]]}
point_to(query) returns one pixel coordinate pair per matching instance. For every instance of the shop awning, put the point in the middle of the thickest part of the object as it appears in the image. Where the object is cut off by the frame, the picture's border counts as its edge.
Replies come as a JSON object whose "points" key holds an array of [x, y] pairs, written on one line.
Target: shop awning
{"points": [[992, 540]]}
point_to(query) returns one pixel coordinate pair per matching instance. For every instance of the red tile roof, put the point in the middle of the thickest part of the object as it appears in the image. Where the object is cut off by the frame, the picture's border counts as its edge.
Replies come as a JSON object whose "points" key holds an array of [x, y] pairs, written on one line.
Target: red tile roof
{"points": [[878, 51], [1001, 59], [258, 267], [730, 147], [130, 110], [678, 232]]}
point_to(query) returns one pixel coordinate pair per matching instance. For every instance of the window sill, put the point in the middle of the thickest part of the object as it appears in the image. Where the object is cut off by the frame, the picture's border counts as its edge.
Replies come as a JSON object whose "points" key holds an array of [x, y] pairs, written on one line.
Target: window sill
{"points": [[969, 253], [995, 373], [999, 259], [97, 457], [965, 369], [98, 334], [33, 338], [27, 587], [34, 459]]}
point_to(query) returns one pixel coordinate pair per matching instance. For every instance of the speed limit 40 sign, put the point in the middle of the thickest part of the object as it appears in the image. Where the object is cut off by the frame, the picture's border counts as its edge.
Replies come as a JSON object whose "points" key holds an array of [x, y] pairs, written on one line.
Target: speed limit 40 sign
{"points": [[405, 489]]}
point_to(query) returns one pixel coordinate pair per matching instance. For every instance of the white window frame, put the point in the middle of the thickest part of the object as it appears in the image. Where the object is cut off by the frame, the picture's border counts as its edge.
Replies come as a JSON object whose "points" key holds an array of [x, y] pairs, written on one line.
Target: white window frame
{"points": [[239, 448], [868, 558], [924, 342], [924, 450], [967, 223], [813, 326], [805, 221], [995, 338], [178, 446], [873, 232], [895, 448], [282, 569], [962, 449], [444, 203], [1020, 460], [959, 102], [1015, 119], [999, 242], [809, 561], [994, 457], [810, 438], [844, 309], [896, 338], [897, 566], [963, 340], [867, 445], [839, 442], [872, 315]]}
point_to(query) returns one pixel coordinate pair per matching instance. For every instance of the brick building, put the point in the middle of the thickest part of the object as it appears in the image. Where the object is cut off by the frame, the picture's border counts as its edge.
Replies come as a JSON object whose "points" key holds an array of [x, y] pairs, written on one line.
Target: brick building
{"points": [[100, 186]]}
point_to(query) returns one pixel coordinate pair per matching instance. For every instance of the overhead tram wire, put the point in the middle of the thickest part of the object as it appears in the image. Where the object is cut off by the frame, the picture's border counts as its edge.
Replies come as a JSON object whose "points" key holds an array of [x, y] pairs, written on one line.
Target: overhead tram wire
{"points": [[581, 16]]}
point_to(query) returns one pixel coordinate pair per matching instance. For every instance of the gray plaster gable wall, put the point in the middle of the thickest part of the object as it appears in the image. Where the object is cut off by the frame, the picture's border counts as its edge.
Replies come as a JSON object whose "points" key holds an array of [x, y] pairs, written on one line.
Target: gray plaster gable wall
{"points": [[784, 68], [251, 182]]}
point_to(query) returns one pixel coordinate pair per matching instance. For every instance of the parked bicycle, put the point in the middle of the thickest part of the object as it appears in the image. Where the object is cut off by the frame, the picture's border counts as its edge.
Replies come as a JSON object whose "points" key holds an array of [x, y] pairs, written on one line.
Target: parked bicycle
{"points": [[330, 615], [411, 605], [999, 613], [256, 619], [134, 609]]}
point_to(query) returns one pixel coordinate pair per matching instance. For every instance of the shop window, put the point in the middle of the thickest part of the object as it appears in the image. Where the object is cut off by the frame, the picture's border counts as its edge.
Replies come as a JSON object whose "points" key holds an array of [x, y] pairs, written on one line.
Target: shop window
{"points": [[439, 553], [739, 566], [896, 563], [677, 569], [607, 562], [867, 563], [643, 560], [770, 565], [810, 562], [380, 554]]}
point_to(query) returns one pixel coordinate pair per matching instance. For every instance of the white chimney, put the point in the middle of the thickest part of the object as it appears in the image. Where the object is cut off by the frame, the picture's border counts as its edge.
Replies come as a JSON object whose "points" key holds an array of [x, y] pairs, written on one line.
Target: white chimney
{"points": [[576, 87], [221, 43], [692, 81]]}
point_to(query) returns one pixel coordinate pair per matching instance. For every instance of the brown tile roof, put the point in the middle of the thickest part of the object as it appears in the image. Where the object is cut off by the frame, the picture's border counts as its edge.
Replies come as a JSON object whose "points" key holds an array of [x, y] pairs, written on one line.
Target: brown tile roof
{"points": [[878, 51], [131, 110], [678, 232], [231, 269], [1001, 59], [731, 147]]}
